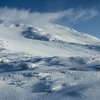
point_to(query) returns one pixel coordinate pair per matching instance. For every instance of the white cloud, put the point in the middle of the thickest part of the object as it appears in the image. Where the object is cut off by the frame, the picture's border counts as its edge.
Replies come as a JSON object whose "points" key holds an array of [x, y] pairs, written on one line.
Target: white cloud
{"points": [[37, 18], [73, 16]]}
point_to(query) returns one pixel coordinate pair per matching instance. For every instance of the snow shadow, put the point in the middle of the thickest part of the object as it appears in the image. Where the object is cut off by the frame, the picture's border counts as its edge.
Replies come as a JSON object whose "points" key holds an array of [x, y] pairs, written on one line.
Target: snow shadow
{"points": [[86, 68], [7, 68], [40, 87], [76, 91], [33, 33], [53, 61], [44, 85]]}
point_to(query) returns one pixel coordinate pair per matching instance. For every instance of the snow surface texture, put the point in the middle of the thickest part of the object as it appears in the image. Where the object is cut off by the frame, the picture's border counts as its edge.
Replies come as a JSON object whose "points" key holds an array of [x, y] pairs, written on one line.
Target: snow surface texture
{"points": [[48, 63]]}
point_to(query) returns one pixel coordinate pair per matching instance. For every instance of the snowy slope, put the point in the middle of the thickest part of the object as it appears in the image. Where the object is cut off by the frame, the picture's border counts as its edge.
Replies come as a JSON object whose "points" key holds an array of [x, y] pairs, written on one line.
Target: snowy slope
{"points": [[51, 62], [40, 40]]}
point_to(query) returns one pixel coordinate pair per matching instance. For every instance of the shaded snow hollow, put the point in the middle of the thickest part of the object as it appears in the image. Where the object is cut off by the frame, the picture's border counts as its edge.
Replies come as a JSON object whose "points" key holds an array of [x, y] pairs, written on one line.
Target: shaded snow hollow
{"points": [[48, 63]]}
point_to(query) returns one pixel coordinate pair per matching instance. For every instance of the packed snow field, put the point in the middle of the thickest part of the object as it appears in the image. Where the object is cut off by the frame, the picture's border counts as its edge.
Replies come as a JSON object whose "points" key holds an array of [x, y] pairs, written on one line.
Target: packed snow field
{"points": [[51, 62]]}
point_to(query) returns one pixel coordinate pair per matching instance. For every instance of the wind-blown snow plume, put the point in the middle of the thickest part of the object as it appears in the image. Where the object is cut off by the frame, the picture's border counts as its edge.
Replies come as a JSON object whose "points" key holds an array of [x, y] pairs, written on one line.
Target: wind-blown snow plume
{"points": [[37, 18]]}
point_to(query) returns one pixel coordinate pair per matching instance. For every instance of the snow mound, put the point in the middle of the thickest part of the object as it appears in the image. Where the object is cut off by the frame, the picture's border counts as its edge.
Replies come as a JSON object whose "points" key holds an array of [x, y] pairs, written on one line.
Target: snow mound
{"points": [[28, 65]]}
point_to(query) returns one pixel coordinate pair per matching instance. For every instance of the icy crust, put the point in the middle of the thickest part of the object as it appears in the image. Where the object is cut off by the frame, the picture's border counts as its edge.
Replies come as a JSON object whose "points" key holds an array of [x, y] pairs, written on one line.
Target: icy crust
{"points": [[14, 63], [49, 78]]}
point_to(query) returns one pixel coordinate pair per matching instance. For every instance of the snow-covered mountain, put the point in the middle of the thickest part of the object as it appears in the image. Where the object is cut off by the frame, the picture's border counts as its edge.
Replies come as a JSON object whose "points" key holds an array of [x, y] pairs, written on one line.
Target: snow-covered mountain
{"points": [[50, 62]]}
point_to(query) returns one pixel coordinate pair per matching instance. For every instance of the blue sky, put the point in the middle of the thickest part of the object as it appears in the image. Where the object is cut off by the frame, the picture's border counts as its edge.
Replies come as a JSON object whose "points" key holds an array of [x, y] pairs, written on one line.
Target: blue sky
{"points": [[82, 15]]}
